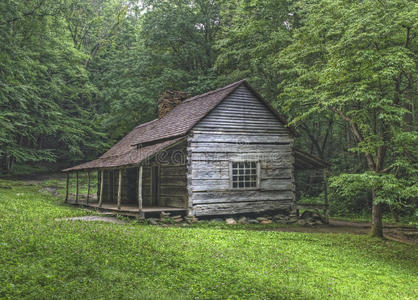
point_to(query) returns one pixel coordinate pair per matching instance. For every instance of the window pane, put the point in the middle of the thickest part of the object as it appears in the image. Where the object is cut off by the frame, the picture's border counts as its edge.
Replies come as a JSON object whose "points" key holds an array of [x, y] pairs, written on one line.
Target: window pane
{"points": [[244, 174]]}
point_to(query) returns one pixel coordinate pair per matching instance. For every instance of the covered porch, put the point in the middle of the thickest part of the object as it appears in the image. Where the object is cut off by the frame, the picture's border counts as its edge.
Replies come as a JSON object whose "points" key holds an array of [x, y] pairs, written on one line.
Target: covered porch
{"points": [[144, 180], [131, 191]]}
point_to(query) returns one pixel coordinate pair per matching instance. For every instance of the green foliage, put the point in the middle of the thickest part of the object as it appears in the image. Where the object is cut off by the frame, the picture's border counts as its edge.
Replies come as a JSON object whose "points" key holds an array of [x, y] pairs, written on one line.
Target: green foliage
{"points": [[45, 93], [76, 76], [44, 258], [358, 61]]}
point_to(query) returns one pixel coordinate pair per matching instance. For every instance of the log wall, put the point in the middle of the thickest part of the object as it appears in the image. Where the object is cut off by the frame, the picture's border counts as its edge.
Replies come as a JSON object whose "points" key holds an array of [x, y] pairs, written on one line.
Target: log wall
{"points": [[172, 175], [240, 128]]}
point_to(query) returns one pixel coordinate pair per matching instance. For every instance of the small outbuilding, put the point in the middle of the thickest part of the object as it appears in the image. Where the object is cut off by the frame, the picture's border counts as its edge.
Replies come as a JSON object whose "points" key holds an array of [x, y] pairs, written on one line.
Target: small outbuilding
{"points": [[224, 152]]}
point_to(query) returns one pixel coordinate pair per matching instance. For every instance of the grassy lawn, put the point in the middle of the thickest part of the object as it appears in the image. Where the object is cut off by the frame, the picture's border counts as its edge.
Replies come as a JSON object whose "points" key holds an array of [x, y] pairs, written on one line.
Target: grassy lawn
{"points": [[42, 258]]}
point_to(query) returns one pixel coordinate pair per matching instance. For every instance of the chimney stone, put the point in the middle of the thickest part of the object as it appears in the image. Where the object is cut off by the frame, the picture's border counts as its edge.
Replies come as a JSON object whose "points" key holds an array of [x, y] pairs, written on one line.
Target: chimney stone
{"points": [[168, 100]]}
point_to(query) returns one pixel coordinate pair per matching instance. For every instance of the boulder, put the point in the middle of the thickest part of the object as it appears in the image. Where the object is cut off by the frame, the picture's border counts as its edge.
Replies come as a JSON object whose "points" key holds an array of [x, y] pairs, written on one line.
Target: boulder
{"points": [[252, 221], [153, 221], [217, 220], [191, 219], [230, 221], [266, 222], [292, 220], [261, 219], [243, 220]]}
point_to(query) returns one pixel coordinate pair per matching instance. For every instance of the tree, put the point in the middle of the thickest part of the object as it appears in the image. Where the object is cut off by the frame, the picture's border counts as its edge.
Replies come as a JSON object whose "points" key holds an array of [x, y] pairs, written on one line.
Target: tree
{"points": [[45, 93], [358, 60]]}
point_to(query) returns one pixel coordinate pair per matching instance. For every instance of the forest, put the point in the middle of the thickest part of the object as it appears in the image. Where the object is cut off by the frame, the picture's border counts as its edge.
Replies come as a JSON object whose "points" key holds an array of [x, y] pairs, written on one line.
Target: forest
{"points": [[76, 76]]}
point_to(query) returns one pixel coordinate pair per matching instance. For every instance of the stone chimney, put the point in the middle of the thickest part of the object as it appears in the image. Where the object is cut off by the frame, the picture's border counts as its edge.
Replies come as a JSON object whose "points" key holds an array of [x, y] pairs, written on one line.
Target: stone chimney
{"points": [[168, 100]]}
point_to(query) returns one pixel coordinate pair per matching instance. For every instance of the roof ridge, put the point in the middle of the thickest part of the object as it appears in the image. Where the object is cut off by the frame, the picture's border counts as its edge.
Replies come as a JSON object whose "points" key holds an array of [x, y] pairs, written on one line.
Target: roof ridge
{"points": [[214, 91], [146, 123]]}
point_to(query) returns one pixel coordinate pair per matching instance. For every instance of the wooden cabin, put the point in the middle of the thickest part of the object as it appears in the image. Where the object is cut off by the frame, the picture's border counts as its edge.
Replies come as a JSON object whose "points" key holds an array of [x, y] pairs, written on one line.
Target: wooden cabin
{"points": [[224, 152]]}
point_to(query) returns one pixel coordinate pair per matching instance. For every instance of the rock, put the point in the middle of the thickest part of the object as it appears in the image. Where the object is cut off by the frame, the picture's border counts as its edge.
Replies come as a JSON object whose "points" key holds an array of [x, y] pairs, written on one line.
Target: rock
{"points": [[292, 220], [190, 219], [307, 215], [280, 221], [166, 220], [280, 216], [301, 222], [164, 214], [252, 221], [266, 222], [177, 217], [230, 221], [153, 221], [261, 219], [242, 220], [178, 220], [315, 221], [217, 220]]}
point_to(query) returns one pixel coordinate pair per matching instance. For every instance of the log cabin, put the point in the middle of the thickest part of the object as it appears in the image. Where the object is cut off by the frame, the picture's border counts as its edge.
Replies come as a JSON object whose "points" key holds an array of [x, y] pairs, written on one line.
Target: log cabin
{"points": [[225, 152]]}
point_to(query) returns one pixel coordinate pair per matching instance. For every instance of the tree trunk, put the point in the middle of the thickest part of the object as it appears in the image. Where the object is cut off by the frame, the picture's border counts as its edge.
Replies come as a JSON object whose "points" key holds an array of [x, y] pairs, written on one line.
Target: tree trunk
{"points": [[377, 226]]}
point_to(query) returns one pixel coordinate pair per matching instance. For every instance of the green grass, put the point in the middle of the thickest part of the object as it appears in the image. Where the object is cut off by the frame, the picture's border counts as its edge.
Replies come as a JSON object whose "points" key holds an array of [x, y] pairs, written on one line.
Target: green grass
{"points": [[41, 258], [60, 184]]}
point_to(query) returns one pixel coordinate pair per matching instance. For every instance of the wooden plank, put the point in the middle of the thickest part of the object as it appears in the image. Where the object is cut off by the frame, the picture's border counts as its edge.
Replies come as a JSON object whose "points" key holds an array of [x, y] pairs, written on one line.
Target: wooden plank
{"points": [[76, 193], [210, 173], [276, 173], [240, 196], [267, 159], [140, 187], [101, 188], [67, 187], [173, 190], [88, 187], [245, 120], [245, 117], [236, 147], [175, 201], [239, 138], [284, 133], [219, 185], [238, 126], [180, 181], [119, 188], [238, 208], [240, 112]]}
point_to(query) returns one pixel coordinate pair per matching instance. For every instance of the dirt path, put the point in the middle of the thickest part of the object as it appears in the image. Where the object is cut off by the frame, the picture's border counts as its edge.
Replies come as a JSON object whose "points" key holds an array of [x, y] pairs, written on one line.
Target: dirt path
{"points": [[404, 234]]}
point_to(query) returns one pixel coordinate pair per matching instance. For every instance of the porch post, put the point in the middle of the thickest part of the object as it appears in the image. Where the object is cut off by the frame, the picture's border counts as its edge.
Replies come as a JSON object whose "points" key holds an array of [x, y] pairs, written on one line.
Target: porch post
{"points": [[101, 189], [76, 193], [66, 187], [119, 187], [88, 187], [140, 187]]}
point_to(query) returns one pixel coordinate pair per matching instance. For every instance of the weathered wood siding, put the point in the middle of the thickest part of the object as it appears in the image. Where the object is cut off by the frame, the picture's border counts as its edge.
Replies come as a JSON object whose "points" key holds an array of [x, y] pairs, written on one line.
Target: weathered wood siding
{"points": [[172, 180], [128, 187], [240, 128], [172, 175]]}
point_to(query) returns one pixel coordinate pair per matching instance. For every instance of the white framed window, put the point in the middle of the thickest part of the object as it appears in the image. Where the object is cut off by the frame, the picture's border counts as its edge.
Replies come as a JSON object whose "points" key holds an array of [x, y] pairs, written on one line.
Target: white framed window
{"points": [[244, 174]]}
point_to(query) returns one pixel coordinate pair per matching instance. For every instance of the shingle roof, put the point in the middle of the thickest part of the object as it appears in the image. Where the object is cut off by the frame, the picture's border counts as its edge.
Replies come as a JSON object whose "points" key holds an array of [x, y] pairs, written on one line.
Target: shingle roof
{"points": [[160, 133], [131, 157]]}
